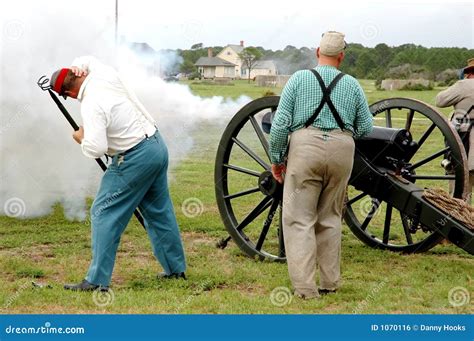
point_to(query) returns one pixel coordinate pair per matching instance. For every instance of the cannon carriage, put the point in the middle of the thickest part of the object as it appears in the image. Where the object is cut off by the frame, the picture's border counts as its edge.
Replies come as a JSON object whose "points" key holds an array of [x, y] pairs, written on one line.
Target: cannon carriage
{"points": [[412, 148]]}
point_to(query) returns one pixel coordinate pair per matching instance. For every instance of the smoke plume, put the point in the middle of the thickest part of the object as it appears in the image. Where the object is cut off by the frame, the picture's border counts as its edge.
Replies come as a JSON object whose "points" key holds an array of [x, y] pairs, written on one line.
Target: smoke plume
{"points": [[40, 163]]}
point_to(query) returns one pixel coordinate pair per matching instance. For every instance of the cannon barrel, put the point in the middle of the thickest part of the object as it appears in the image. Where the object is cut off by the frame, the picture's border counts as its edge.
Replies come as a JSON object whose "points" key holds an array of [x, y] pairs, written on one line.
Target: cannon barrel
{"points": [[383, 146]]}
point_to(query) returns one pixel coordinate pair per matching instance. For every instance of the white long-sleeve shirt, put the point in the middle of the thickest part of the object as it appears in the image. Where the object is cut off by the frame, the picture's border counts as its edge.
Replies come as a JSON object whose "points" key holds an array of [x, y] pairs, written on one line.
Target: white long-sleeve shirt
{"points": [[114, 119], [461, 96]]}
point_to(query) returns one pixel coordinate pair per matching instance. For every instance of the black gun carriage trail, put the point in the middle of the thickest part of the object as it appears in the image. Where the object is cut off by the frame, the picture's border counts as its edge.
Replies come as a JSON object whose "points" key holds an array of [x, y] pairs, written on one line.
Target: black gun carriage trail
{"points": [[412, 147]]}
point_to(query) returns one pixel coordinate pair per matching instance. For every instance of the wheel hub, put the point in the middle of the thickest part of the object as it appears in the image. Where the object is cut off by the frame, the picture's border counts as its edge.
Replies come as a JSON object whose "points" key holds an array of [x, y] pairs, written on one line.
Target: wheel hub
{"points": [[269, 186]]}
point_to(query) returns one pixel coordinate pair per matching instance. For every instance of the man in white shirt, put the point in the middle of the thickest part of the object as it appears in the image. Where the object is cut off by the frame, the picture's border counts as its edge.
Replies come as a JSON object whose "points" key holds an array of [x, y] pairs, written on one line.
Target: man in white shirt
{"points": [[116, 124]]}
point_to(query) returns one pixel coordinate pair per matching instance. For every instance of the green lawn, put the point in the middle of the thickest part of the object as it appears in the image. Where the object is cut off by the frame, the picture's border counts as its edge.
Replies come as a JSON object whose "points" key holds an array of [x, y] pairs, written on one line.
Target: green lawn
{"points": [[234, 90], [51, 250]]}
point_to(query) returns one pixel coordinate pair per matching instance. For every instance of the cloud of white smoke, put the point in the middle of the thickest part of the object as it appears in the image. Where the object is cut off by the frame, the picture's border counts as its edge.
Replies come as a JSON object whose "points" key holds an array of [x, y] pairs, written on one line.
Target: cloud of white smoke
{"points": [[40, 164]]}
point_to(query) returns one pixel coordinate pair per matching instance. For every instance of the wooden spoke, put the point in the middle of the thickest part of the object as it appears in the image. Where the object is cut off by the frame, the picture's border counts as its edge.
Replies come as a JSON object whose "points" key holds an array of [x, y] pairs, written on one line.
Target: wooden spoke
{"points": [[251, 153], [426, 135], [281, 242], [266, 225], [356, 198], [409, 121], [388, 118], [386, 227], [261, 136], [242, 193], [262, 206], [406, 229], [429, 158], [242, 170], [373, 210]]}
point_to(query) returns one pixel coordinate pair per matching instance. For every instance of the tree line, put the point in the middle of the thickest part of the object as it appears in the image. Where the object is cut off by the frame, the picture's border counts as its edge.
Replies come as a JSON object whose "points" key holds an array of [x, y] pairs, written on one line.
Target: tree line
{"points": [[379, 62]]}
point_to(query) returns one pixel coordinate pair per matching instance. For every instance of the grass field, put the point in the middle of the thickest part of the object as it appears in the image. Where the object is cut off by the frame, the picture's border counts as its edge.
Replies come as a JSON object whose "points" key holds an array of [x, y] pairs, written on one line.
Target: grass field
{"points": [[51, 251]]}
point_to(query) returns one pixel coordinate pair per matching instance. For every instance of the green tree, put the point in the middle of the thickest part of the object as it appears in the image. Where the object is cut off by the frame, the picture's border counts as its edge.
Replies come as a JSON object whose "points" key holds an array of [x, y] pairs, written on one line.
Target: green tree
{"points": [[249, 57], [365, 65], [378, 62], [187, 67]]}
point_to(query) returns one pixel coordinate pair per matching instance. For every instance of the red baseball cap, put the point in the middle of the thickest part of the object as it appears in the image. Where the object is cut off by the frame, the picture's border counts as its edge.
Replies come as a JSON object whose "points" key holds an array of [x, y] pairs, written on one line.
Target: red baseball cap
{"points": [[57, 80]]}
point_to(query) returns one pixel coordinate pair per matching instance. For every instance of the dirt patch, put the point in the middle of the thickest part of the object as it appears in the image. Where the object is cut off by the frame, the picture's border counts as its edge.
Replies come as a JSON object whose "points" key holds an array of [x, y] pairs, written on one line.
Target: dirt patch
{"points": [[251, 289], [34, 252]]}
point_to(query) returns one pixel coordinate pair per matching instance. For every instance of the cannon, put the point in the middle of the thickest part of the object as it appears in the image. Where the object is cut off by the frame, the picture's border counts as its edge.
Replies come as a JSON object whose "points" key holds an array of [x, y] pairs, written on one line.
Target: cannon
{"points": [[412, 148]]}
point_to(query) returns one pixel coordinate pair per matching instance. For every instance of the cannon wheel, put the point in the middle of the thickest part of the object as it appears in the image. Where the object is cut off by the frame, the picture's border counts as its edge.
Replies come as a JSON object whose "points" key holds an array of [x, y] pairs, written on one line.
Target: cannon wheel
{"points": [[252, 218], [378, 224], [262, 237]]}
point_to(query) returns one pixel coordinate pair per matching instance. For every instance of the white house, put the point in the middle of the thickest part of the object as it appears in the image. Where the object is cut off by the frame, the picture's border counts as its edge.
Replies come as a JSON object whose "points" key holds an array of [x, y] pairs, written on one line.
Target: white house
{"points": [[215, 67], [261, 68], [230, 53], [227, 64]]}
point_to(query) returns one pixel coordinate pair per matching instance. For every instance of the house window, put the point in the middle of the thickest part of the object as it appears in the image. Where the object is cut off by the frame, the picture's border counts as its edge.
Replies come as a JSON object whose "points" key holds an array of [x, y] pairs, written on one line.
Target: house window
{"points": [[229, 71], [228, 53]]}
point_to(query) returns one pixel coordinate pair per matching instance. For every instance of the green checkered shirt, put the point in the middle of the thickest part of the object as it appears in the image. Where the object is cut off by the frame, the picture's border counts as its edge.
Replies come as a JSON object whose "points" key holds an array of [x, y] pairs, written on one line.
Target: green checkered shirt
{"points": [[302, 95]]}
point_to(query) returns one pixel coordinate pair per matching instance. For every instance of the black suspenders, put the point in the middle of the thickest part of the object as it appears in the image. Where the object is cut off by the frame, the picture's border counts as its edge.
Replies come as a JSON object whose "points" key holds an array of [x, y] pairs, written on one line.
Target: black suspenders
{"points": [[326, 100]]}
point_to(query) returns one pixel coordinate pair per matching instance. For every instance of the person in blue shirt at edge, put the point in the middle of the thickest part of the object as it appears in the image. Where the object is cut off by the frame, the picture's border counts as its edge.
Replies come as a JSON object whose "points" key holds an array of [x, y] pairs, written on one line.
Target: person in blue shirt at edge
{"points": [[324, 110], [118, 125]]}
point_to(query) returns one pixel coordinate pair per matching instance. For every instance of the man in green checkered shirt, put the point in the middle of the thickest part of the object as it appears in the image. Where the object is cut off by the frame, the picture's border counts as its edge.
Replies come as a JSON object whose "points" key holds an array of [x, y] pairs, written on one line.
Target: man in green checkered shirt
{"points": [[319, 164]]}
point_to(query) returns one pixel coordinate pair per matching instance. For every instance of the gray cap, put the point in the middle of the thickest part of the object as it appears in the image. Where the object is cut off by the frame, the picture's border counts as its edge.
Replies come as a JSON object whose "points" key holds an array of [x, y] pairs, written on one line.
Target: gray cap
{"points": [[332, 43]]}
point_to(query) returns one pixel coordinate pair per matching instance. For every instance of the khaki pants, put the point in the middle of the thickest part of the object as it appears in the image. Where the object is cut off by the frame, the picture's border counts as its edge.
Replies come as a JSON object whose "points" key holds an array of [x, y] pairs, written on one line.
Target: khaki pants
{"points": [[319, 167]]}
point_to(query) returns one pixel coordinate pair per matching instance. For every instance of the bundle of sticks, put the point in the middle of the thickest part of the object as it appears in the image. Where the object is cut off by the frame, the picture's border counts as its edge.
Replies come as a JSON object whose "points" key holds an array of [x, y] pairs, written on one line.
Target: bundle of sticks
{"points": [[456, 208]]}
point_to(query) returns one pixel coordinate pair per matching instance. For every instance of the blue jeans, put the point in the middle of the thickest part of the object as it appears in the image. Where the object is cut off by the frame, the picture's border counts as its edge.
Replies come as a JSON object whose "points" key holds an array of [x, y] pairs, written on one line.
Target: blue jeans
{"points": [[137, 178]]}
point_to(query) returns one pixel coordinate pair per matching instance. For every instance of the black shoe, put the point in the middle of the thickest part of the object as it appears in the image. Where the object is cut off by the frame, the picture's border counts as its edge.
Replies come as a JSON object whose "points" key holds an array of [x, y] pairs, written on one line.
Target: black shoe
{"points": [[85, 286], [323, 292], [164, 275]]}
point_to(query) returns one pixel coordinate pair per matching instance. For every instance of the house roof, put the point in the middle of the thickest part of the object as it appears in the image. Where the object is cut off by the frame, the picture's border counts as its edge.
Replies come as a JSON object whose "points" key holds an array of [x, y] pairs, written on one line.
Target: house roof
{"points": [[213, 61], [236, 48]]}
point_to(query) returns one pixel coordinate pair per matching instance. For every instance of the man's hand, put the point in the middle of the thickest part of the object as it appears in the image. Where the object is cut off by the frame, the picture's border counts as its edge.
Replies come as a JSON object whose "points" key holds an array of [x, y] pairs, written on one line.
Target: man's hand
{"points": [[78, 135], [278, 172], [78, 72]]}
